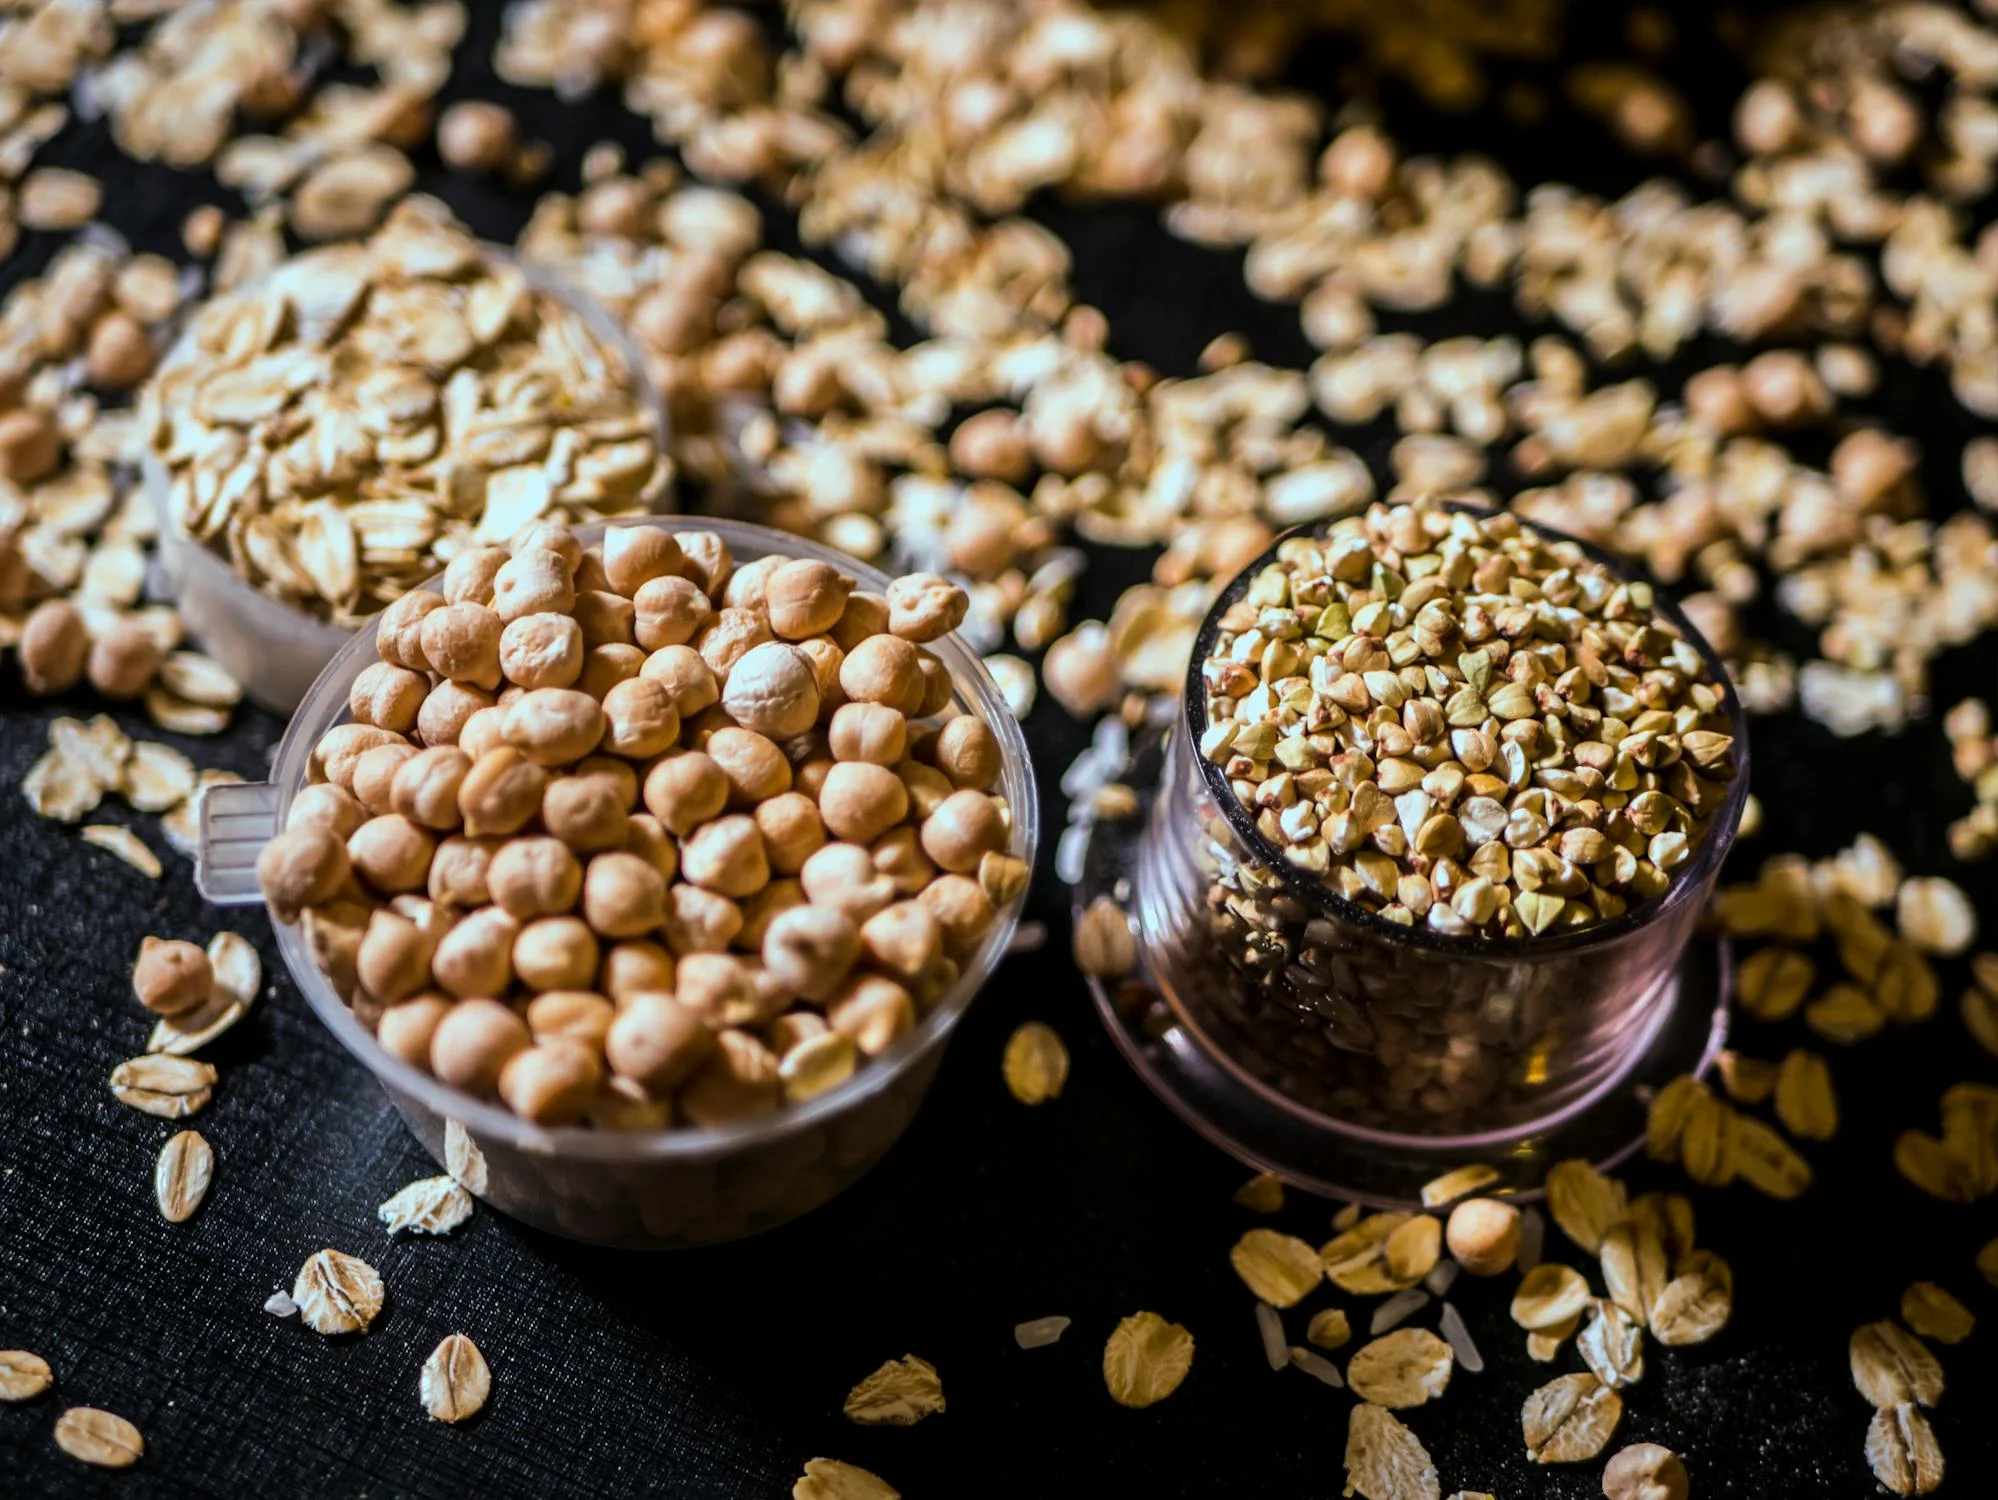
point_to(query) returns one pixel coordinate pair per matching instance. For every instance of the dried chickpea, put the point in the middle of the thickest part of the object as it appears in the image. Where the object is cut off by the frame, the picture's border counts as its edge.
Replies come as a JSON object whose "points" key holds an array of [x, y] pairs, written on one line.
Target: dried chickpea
{"points": [[331, 807], [474, 135], [793, 1027], [485, 731], [375, 773], [555, 953], [646, 836], [772, 690], [925, 606], [542, 651], [458, 872], [699, 921], [898, 855], [963, 830], [963, 911], [792, 831], [391, 853], [394, 958], [590, 575], [763, 908], [476, 956], [657, 1042], [340, 749], [884, 669], [446, 711], [577, 1014], [427, 784], [843, 877], [618, 774], [816, 1065], [721, 989], [399, 630], [726, 855], [669, 611], [633, 968], [534, 877], [825, 660], [406, 1028], [730, 637], [469, 578], [860, 802], [554, 726], [388, 696], [809, 778], [623, 896], [685, 789], [756, 769], [706, 559], [171, 976], [635, 555], [928, 788], [474, 1042], [904, 940], [865, 615], [874, 1011], [123, 660], [119, 354], [302, 867], [547, 536], [687, 679], [585, 813], [640, 720], [462, 642], [805, 598], [737, 1082], [1483, 1235], [748, 584], [605, 618], [967, 751], [870, 732], [810, 949], [54, 647], [604, 667], [533, 582], [501, 792]]}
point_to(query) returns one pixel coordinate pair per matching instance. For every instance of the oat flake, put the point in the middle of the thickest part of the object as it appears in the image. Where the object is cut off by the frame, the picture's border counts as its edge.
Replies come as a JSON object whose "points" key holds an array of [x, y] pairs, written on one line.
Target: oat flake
{"points": [[1935, 1314], [23, 1376], [432, 1205], [181, 1176], [1279, 1268], [101, 1439], [1384, 1460], [456, 1380], [829, 1479], [1038, 1333], [1145, 1359], [899, 1394], [338, 1293], [1901, 1448], [1406, 1368], [1035, 1063], [1569, 1420]]}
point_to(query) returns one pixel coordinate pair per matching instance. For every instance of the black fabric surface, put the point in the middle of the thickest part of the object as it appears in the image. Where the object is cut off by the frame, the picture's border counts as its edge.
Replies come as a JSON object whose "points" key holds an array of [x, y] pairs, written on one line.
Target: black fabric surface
{"points": [[716, 1374]]}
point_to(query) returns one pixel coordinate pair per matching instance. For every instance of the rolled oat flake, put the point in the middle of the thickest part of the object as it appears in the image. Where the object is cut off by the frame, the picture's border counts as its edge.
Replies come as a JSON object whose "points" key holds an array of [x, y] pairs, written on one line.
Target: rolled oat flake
{"points": [[99, 1438], [23, 1376], [456, 1380], [181, 1176], [338, 1293]]}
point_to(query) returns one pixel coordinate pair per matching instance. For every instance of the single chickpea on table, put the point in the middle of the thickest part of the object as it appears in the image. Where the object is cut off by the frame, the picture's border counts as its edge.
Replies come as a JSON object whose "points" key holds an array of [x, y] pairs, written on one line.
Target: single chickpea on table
{"points": [[631, 836]]}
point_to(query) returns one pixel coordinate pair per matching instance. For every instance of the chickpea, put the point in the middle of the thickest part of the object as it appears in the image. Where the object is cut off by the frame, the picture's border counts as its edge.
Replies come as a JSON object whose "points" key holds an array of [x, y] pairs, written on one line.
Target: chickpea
{"points": [[1080, 670], [708, 560], [937, 686], [30, 446], [843, 877], [925, 606], [172, 977], [120, 354], [646, 836], [534, 877], [726, 856], [555, 953], [669, 611], [928, 788], [458, 872], [613, 208], [874, 1011], [825, 660], [617, 774], [685, 789], [756, 769], [394, 959], [332, 933], [583, 812], [793, 1027], [865, 616], [604, 667], [640, 719], [967, 751], [773, 690], [590, 575], [623, 896], [474, 135], [720, 989], [473, 1043], [697, 731], [579, 1015], [302, 867], [810, 949], [375, 773], [989, 445], [898, 855], [963, 911], [340, 749], [123, 660], [476, 956], [329, 806], [469, 578], [687, 680], [792, 831], [748, 585], [501, 792], [737, 1082], [805, 598], [533, 582], [963, 830], [446, 711], [699, 921], [542, 651], [860, 802], [554, 726], [427, 785], [605, 618], [870, 732], [461, 642], [485, 731], [407, 1028], [762, 908], [904, 939], [657, 1042], [391, 854], [635, 555], [399, 630], [623, 1106], [1483, 1235], [635, 967], [731, 636], [884, 669], [54, 648]]}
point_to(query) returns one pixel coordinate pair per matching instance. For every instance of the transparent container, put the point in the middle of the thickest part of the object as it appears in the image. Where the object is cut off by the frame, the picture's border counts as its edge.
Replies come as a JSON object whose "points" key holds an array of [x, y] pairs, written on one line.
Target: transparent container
{"points": [[274, 650], [1355, 1055], [656, 1189]]}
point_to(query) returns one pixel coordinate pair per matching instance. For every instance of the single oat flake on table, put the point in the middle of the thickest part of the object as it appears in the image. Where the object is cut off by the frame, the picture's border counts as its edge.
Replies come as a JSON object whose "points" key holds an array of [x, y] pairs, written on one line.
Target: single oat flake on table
{"points": [[456, 1380], [101, 1439], [337, 1293], [1145, 1359], [899, 1394], [23, 1376], [431, 1205]]}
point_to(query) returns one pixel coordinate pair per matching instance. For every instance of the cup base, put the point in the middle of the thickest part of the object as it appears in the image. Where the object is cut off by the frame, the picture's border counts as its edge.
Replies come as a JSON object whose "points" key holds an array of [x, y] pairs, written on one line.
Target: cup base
{"points": [[1386, 1169]]}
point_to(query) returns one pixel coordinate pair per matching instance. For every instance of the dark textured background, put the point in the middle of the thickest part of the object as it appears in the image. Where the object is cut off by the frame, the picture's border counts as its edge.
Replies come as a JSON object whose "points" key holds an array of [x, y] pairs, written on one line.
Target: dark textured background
{"points": [[717, 1373]]}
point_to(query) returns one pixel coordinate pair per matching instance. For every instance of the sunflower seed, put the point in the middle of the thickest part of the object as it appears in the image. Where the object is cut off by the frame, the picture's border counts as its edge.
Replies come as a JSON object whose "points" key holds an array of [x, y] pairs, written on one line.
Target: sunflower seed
{"points": [[1891, 1367], [1269, 1324], [1145, 1359], [1569, 1420], [23, 1376], [115, 838], [1038, 1333], [182, 1175], [1451, 1323], [899, 1394], [1035, 1064], [1935, 1314], [431, 1205], [1406, 1368], [1318, 1367], [1901, 1448], [98, 1438], [160, 1084], [1384, 1460], [456, 1380], [337, 1293]]}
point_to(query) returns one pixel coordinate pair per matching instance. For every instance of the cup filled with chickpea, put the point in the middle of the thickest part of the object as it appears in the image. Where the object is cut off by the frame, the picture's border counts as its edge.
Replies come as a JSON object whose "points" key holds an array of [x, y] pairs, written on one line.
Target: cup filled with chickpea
{"points": [[654, 861]]}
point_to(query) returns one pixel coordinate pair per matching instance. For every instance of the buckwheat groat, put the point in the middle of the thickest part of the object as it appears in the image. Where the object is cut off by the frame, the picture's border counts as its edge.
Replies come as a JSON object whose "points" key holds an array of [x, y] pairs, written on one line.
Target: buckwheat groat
{"points": [[623, 837]]}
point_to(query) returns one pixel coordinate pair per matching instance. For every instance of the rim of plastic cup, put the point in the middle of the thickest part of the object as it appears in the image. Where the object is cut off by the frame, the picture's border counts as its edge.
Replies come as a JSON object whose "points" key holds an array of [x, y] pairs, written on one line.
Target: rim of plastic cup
{"points": [[325, 704], [1688, 881]]}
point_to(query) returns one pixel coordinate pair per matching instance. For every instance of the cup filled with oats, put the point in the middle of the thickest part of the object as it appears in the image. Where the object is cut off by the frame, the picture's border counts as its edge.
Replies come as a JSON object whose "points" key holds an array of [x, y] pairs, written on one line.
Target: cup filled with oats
{"points": [[335, 431], [1421, 879], [651, 864]]}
